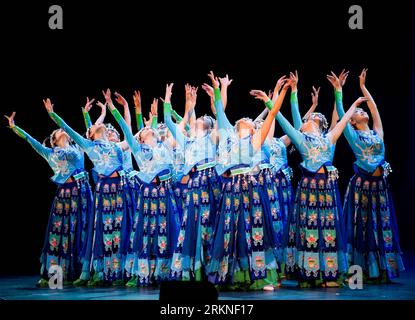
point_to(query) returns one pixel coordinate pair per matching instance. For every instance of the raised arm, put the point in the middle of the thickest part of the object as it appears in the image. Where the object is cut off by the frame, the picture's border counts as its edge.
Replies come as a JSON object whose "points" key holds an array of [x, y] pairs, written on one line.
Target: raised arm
{"points": [[131, 141], [36, 145], [295, 111], [334, 118], [176, 132], [314, 102], [85, 113], [127, 115], [334, 134], [377, 122], [225, 82], [338, 83], [223, 122], [79, 140], [137, 108], [261, 135]]}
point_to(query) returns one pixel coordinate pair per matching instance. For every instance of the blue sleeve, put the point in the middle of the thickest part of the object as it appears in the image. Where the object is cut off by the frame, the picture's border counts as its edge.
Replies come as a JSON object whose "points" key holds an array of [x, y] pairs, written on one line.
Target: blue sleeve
{"points": [[295, 111], [349, 132], [295, 136], [39, 148], [223, 122], [132, 142], [79, 140], [175, 131]]}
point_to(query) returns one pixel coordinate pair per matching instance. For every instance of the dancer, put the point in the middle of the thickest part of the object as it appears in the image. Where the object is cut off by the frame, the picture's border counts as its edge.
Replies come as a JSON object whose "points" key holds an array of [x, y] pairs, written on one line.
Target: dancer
{"points": [[71, 215], [192, 251], [112, 213], [315, 250], [371, 226], [243, 248], [157, 229]]}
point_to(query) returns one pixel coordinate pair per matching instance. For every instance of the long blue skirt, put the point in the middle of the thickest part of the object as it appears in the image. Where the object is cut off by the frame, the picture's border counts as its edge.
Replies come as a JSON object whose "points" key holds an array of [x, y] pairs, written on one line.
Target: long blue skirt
{"points": [[66, 235], [371, 226], [243, 248], [195, 235], [133, 201], [285, 194], [113, 215], [180, 193], [155, 234], [314, 246]]}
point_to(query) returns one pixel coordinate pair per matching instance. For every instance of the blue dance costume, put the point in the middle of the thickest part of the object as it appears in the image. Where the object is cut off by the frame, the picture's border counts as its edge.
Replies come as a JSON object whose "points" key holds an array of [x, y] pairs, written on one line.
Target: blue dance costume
{"points": [[371, 226], [71, 215], [113, 211], [201, 202], [314, 248], [158, 219], [243, 251]]}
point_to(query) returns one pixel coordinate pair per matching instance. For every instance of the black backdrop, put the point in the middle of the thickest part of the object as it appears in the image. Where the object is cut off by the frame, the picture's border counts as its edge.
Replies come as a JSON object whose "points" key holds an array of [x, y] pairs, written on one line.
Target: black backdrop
{"points": [[128, 46]]}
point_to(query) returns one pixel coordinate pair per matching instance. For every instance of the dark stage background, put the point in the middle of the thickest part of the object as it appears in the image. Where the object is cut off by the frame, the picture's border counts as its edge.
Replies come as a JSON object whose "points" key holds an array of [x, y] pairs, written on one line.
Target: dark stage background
{"points": [[126, 46]]}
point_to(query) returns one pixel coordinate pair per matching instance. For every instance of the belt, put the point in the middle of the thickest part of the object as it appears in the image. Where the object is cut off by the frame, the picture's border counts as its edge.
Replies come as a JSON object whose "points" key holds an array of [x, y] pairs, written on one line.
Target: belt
{"points": [[263, 166], [81, 175], [207, 165], [132, 174], [238, 171], [165, 177]]}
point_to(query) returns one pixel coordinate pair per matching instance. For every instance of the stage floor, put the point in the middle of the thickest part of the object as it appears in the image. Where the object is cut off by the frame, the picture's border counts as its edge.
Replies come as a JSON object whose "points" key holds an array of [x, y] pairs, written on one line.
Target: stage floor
{"points": [[403, 288]]}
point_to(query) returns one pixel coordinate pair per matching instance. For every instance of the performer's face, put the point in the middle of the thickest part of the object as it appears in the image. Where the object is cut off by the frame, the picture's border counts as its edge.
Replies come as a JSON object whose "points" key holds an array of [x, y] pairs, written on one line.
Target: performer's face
{"points": [[113, 136], [60, 138], [245, 127], [147, 137], [359, 116], [97, 131]]}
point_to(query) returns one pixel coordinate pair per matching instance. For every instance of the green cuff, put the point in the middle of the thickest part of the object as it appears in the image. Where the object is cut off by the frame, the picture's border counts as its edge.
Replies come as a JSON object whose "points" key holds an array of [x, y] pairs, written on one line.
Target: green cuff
{"points": [[293, 97], [55, 118], [139, 118], [217, 94], [19, 131], [87, 118], [154, 122], [338, 94], [117, 115], [269, 104], [176, 116]]}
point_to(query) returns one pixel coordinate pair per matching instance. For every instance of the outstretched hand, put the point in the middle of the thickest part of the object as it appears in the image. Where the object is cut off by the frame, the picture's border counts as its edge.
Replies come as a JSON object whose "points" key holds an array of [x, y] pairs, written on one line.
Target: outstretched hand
{"points": [[48, 105], [294, 80], [343, 76], [101, 105], [11, 120], [362, 77], [314, 95], [154, 107], [107, 96], [259, 94], [360, 100], [215, 81], [120, 99], [335, 81], [279, 85], [169, 90], [137, 101], [208, 89], [225, 81], [88, 104]]}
